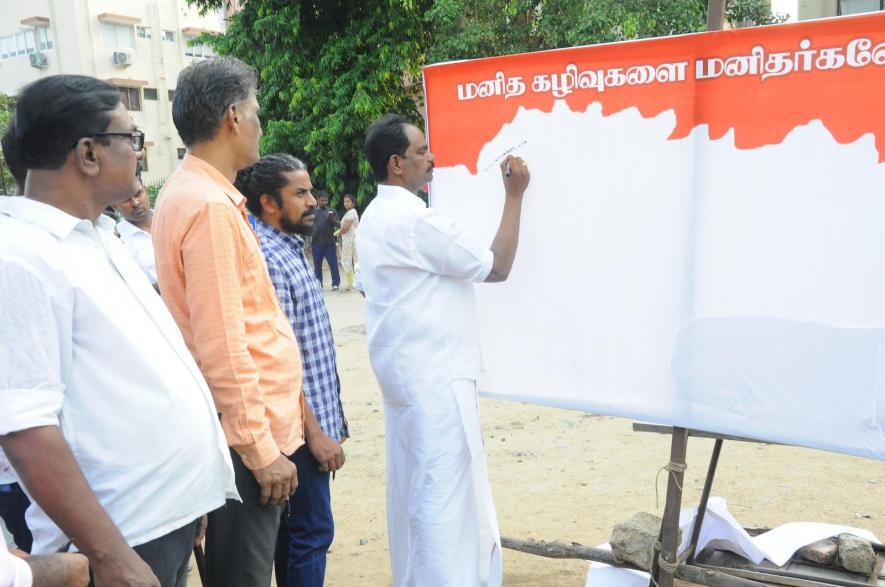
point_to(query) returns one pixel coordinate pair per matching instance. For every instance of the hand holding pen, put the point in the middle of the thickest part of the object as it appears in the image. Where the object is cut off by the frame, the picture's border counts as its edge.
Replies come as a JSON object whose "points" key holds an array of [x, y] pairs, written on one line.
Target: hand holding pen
{"points": [[515, 173]]}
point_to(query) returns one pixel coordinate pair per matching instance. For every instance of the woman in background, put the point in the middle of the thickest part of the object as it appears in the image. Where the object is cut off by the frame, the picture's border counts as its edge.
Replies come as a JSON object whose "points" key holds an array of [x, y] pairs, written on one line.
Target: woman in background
{"points": [[349, 223]]}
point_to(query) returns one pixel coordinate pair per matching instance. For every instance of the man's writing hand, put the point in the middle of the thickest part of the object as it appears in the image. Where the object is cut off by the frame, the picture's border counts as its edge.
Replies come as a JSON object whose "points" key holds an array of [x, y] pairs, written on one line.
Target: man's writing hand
{"points": [[516, 183], [278, 481]]}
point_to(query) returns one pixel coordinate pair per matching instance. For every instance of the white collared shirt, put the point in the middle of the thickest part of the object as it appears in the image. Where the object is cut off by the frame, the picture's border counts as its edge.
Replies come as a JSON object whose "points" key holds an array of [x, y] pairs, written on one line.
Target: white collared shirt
{"points": [[139, 244], [417, 270], [87, 344]]}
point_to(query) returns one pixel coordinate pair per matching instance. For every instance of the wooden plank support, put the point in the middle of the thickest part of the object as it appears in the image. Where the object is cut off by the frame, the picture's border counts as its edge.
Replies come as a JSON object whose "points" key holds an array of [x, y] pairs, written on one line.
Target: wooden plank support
{"points": [[707, 577], [665, 564]]}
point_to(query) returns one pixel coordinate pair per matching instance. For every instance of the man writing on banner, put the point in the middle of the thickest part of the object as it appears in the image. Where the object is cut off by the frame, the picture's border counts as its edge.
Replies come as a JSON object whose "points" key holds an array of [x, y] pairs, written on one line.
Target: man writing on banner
{"points": [[417, 272]]}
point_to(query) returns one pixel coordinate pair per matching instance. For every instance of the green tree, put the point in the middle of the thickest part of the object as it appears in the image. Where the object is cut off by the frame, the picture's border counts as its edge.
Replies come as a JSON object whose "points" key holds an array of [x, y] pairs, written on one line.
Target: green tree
{"points": [[328, 68], [7, 182], [464, 29]]}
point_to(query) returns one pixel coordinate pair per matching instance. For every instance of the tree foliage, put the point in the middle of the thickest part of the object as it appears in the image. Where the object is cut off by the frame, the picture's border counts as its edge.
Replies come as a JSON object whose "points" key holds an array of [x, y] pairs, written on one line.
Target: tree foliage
{"points": [[463, 29], [330, 67], [7, 182]]}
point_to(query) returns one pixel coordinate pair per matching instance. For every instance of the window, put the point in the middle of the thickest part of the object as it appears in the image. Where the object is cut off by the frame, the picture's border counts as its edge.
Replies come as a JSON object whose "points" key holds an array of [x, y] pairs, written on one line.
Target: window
{"points": [[198, 50], [169, 36], [181, 152], [143, 32], [44, 39], [117, 35], [150, 94], [20, 43], [131, 98], [171, 95], [859, 6]]}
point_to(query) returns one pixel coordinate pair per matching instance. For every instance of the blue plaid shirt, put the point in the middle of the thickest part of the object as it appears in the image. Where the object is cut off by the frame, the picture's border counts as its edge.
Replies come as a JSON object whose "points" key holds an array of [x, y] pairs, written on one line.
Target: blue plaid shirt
{"points": [[302, 300]]}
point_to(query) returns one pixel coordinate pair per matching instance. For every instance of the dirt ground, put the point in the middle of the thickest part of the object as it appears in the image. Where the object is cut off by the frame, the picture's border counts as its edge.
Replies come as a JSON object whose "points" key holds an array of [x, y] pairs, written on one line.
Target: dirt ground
{"points": [[569, 476]]}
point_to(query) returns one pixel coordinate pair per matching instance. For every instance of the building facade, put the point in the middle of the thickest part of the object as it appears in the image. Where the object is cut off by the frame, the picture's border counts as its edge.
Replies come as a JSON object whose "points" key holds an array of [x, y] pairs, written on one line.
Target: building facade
{"points": [[808, 9], [140, 46]]}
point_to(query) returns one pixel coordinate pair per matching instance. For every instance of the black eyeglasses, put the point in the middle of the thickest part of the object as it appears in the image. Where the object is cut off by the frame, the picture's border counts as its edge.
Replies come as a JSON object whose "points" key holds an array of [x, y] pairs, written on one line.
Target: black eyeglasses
{"points": [[137, 138]]}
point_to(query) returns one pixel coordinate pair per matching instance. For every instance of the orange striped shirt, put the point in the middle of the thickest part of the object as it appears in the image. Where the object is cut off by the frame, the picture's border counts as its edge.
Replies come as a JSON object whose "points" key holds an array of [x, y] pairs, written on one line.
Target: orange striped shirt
{"points": [[214, 280]]}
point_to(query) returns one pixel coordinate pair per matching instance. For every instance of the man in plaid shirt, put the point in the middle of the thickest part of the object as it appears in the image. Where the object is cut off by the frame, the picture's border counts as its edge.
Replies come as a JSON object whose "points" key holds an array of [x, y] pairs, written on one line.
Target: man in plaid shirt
{"points": [[279, 195]]}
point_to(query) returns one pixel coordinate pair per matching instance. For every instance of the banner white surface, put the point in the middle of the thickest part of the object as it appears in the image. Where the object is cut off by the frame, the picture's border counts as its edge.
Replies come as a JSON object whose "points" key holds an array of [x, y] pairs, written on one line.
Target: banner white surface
{"points": [[688, 280]]}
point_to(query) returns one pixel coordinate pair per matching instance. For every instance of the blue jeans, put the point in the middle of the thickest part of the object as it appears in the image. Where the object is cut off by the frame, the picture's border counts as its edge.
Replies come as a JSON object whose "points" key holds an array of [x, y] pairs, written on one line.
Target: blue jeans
{"points": [[306, 527], [330, 254], [13, 503]]}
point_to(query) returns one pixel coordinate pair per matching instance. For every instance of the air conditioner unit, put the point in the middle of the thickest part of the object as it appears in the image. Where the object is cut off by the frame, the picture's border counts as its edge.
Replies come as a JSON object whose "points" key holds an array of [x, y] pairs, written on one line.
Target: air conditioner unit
{"points": [[39, 60], [124, 58]]}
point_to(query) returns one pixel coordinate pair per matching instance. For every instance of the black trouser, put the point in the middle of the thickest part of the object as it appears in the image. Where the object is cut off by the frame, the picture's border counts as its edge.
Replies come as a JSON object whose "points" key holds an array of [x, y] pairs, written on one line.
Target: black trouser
{"points": [[241, 537], [168, 555], [13, 503]]}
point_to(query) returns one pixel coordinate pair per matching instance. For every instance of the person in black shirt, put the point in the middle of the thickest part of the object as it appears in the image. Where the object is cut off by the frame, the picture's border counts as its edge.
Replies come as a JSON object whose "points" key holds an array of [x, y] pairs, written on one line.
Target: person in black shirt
{"points": [[323, 240]]}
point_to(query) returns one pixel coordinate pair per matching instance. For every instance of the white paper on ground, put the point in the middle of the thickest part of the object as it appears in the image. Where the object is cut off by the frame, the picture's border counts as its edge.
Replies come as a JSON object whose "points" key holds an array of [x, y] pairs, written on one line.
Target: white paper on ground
{"points": [[780, 543], [722, 531], [603, 575]]}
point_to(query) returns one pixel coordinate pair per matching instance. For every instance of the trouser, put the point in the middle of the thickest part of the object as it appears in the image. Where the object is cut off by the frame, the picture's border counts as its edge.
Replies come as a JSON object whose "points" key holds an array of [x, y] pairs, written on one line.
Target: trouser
{"points": [[13, 503], [306, 526], [330, 253], [168, 555], [241, 536]]}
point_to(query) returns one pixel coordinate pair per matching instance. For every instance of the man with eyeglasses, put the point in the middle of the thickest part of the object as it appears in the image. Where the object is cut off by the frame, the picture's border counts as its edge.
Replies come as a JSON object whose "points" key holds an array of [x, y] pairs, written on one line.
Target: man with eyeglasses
{"points": [[107, 441]]}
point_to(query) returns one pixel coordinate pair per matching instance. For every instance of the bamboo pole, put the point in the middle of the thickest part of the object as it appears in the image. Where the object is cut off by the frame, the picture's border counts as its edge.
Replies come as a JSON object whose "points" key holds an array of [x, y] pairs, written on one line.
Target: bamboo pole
{"points": [[578, 551]]}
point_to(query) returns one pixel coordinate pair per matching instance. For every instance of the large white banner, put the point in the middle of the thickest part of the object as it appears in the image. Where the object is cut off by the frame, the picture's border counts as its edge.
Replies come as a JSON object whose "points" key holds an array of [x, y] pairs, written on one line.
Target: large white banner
{"points": [[703, 239]]}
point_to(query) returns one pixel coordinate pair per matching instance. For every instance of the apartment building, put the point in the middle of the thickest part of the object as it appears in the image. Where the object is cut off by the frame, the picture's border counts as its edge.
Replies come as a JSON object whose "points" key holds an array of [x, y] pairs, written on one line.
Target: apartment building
{"points": [[140, 46], [808, 9]]}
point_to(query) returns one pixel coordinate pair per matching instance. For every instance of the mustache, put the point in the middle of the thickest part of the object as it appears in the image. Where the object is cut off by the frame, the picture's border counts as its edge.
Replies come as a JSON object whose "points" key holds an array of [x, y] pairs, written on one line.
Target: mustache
{"points": [[308, 213]]}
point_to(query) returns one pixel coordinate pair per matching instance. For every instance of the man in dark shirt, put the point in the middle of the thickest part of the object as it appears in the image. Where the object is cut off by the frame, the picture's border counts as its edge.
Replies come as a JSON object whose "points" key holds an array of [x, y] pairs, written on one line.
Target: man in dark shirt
{"points": [[323, 240]]}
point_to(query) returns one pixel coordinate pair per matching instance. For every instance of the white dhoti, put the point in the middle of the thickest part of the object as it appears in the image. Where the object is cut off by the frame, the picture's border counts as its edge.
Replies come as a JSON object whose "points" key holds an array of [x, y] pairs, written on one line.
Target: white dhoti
{"points": [[441, 518]]}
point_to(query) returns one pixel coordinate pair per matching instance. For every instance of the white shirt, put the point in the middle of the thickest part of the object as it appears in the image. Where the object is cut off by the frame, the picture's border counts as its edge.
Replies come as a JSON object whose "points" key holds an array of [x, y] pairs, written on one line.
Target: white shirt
{"points": [[87, 344], [14, 572], [417, 271], [139, 244]]}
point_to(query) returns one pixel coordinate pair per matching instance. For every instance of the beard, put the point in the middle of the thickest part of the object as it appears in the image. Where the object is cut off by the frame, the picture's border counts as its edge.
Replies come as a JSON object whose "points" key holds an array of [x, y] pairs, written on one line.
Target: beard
{"points": [[299, 228]]}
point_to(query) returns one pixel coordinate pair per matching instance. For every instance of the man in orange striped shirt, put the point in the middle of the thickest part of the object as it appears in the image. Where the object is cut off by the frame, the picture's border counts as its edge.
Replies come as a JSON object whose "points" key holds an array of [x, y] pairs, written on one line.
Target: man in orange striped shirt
{"points": [[213, 277]]}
